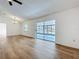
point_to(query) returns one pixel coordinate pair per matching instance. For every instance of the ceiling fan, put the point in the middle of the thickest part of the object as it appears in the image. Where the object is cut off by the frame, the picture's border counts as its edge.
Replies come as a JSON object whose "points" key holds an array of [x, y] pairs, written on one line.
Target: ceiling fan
{"points": [[10, 2]]}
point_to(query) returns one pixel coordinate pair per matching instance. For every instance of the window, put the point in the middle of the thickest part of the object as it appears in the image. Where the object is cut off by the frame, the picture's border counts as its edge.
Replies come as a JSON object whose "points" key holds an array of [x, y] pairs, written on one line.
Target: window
{"points": [[25, 27]]}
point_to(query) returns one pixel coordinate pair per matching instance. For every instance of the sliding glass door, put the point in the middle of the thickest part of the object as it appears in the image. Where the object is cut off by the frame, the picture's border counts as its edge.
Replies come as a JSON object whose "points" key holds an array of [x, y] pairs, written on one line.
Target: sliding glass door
{"points": [[46, 30], [40, 30]]}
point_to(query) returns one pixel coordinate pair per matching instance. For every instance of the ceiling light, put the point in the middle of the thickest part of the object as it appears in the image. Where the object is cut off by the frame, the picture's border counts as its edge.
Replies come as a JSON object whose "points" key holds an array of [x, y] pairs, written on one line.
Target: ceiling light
{"points": [[9, 0]]}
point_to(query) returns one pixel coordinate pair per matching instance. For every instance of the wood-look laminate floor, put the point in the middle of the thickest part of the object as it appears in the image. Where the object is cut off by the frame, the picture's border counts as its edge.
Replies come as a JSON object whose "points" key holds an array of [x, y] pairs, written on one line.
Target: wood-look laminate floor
{"points": [[20, 47]]}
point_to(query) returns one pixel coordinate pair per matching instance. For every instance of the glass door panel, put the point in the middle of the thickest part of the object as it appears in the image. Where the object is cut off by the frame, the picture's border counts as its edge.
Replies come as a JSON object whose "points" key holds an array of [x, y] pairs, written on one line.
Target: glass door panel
{"points": [[45, 29], [49, 37], [40, 36], [49, 29]]}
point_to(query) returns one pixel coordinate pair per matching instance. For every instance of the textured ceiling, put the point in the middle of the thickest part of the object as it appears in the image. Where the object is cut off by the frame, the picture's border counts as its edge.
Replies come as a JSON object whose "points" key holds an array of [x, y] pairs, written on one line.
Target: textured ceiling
{"points": [[37, 8]]}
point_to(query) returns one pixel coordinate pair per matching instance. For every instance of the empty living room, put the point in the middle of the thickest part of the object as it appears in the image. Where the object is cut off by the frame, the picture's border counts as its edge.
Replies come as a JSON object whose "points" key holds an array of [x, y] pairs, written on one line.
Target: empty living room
{"points": [[39, 29]]}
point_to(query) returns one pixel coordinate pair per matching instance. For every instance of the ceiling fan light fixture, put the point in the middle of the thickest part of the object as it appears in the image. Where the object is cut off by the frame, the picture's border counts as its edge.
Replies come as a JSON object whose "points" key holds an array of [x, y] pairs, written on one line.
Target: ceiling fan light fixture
{"points": [[10, 2], [18, 2]]}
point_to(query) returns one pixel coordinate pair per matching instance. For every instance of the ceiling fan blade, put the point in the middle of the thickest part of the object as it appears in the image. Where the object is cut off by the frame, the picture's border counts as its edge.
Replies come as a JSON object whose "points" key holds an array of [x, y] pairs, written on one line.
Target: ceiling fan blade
{"points": [[10, 3], [18, 2]]}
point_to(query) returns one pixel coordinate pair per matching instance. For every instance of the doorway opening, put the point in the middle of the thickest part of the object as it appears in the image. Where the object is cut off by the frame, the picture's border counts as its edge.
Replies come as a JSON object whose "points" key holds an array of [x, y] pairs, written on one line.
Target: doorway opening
{"points": [[2, 30], [46, 30]]}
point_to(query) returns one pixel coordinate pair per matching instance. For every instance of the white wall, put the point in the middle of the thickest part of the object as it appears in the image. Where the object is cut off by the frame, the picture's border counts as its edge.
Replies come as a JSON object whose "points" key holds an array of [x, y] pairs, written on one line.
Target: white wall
{"points": [[30, 30], [67, 27], [12, 29]]}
